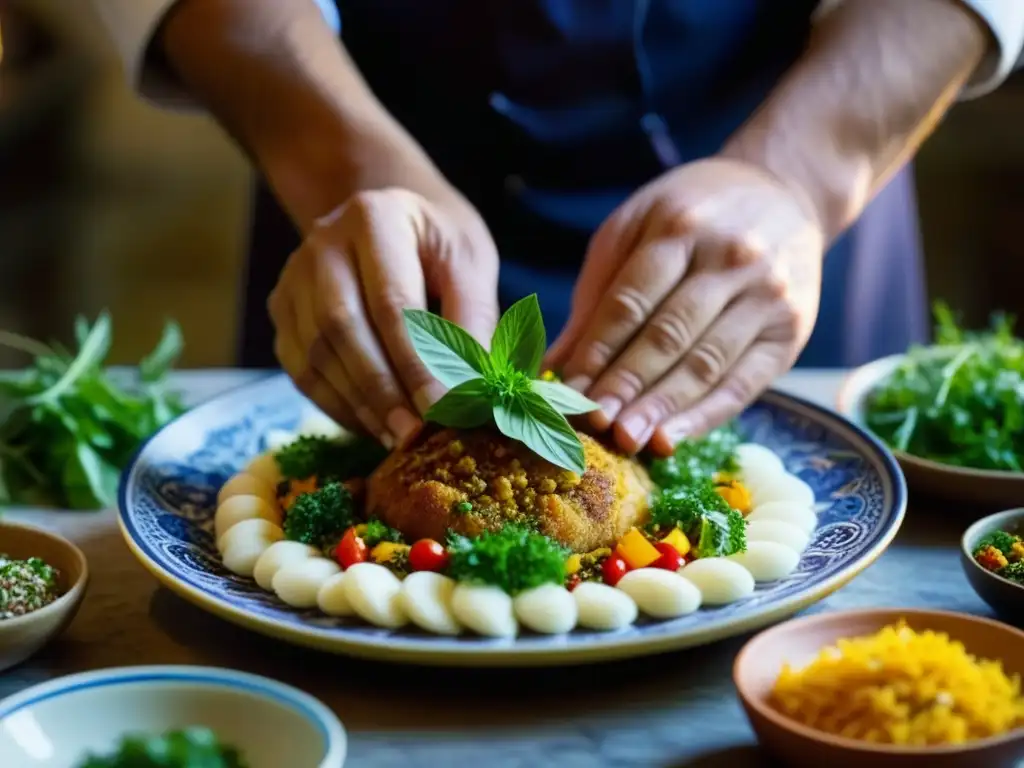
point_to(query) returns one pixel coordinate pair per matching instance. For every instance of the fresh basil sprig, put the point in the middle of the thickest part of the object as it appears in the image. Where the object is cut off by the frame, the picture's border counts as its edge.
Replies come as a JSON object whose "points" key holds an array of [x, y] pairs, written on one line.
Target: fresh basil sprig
{"points": [[501, 386]]}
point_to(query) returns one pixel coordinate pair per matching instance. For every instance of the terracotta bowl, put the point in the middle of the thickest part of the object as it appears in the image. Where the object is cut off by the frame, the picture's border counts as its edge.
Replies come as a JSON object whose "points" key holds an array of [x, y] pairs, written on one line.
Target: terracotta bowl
{"points": [[984, 487], [23, 636], [799, 641], [1006, 597]]}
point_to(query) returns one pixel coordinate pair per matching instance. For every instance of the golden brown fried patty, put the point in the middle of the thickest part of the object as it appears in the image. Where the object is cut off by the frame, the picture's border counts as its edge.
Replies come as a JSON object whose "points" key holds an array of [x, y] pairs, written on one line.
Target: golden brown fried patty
{"points": [[423, 489]]}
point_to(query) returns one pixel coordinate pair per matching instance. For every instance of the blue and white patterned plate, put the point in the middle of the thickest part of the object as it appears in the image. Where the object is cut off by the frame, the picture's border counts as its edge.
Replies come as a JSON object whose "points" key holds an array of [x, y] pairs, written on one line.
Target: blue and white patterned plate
{"points": [[168, 498]]}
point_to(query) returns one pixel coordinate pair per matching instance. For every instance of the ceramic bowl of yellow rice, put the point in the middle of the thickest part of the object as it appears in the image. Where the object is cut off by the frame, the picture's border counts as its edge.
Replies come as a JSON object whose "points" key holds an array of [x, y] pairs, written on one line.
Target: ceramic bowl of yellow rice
{"points": [[886, 688]]}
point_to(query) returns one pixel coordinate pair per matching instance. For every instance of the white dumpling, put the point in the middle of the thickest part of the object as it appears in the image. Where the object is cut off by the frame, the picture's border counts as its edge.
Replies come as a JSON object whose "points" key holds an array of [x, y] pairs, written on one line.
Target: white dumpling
{"points": [[767, 560], [427, 600], [331, 599], [549, 609], [602, 607], [659, 593], [319, 424], [782, 487], [235, 509], [485, 609], [374, 593], [757, 460], [778, 531], [276, 439], [278, 555], [802, 517], [244, 484], [265, 467], [298, 584], [245, 530], [245, 543], [720, 581]]}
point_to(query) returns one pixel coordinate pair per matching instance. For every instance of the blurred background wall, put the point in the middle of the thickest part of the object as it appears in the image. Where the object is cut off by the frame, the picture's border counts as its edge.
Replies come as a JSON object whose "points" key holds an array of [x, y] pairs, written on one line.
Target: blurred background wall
{"points": [[107, 202]]}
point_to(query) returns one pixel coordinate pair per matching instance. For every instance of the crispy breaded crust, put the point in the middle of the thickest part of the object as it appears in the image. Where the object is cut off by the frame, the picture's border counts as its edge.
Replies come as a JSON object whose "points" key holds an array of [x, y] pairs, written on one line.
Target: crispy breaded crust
{"points": [[419, 490]]}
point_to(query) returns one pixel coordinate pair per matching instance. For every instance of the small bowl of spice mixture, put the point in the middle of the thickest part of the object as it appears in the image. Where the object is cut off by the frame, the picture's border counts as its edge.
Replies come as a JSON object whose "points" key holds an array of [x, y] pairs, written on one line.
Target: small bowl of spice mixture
{"points": [[992, 555], [42, 581], [888, 688]]}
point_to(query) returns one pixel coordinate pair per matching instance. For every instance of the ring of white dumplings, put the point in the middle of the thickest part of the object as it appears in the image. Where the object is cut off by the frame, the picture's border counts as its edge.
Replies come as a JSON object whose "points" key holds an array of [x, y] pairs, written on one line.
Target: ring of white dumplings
{"points": [[251, 541]]}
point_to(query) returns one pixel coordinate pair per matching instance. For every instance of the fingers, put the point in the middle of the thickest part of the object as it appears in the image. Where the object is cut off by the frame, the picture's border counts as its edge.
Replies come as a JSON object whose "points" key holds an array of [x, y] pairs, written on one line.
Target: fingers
{"points": [[644, 281], [469, 296], [754, 373], [702, 368], [668, 336]]}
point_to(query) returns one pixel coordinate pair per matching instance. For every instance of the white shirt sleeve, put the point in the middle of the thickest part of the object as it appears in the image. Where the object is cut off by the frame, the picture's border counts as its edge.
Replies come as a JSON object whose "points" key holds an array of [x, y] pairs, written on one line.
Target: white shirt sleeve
{"points": [[132, 24], [1005, 18]]}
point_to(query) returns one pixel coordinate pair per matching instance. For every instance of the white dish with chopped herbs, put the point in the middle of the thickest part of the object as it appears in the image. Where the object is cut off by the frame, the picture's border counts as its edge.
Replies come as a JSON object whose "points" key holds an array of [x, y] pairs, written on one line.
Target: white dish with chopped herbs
{"points": [[501, 535]]}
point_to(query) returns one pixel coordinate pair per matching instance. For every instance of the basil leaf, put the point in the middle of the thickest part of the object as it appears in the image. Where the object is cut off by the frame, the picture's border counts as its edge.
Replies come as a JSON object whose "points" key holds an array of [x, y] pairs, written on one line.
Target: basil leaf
{"points": [[466, 406], [562, 398], [519, 339], [156, 364], [450, 354], [529, 418]]}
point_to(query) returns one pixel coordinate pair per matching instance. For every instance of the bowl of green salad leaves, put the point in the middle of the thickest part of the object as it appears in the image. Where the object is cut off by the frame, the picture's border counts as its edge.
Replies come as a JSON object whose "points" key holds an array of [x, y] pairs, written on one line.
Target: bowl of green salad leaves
{"points": [[952, 412], [168, 717]]}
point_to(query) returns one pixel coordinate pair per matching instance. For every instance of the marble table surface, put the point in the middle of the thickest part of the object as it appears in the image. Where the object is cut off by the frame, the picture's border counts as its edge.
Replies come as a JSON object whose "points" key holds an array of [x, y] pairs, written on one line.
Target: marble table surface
{"points": [[673, 710]]}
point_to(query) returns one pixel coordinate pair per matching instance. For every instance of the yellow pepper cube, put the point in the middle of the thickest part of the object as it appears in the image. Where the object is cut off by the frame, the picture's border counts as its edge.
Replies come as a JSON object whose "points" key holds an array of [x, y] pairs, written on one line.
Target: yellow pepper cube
{"points": [[386, 551], [573, 564], [736, 495], [678, 541], [636, 550]]}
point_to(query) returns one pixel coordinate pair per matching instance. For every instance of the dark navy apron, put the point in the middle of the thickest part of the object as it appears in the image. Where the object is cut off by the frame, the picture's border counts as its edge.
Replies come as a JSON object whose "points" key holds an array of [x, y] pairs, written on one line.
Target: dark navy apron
{"points": [[547, 114]]}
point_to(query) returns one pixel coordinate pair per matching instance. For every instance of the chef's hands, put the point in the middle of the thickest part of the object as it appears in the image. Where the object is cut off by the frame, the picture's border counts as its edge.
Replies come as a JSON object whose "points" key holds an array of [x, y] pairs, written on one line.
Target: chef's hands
{"points": [[337, 307], [695, 294]]}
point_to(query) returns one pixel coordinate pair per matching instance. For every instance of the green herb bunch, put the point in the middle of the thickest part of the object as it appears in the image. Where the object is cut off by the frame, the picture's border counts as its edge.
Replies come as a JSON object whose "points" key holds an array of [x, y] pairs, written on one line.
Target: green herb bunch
{"points": [[514, 558], [716, 529], [329, 459], [67, 429], [960, 401], [321, 517], [697, 458], [501, 386], [185, 748], [1001, 540], [1013, 572], [377, 531]]}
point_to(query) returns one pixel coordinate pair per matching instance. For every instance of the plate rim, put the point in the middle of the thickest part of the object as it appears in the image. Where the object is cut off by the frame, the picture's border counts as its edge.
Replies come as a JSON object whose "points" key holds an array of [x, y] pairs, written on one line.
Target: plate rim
{"points": [[412, 651]]}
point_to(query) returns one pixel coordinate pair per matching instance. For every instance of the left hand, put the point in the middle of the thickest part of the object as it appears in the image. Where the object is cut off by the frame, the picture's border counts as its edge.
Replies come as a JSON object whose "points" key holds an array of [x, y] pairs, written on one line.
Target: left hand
{"points": [[695, 295]]}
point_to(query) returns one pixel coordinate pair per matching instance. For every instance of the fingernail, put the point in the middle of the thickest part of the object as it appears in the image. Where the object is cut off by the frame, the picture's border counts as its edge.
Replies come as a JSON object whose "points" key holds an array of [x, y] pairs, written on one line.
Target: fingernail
{"points": [[579, 383], [639, 428], [402, 424], [610, 407], [387, 441], [427, 395]]}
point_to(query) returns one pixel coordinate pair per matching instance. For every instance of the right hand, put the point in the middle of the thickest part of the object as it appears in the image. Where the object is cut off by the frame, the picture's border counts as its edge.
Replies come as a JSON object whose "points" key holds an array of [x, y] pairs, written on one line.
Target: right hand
{"points": [[337, 307]]}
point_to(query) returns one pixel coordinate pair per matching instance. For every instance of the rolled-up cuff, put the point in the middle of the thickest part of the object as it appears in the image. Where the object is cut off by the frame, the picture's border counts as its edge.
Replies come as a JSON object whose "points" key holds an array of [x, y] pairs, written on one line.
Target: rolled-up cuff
{"points": [[1005, 19]]}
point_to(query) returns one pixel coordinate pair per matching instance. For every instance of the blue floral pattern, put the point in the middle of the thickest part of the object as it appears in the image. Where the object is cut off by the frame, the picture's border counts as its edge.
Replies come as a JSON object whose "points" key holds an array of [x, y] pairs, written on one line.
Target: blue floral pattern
{"points": [[169, 495]]}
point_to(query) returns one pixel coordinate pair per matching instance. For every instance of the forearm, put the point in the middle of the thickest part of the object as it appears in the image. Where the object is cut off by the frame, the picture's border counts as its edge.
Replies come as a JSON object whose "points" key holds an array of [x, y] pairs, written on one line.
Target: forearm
{"points": [[874, 82], [276, 77]]}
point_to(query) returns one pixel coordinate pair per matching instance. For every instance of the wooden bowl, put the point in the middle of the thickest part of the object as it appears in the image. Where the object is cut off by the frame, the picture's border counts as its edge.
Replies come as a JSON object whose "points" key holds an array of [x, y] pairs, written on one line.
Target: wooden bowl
{"points": [[1006, 597], [984, 487], [22, 636], [799, 641]]}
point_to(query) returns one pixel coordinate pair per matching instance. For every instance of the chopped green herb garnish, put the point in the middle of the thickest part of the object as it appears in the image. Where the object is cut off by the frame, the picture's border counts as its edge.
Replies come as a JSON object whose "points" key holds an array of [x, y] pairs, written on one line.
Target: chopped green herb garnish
{"points": [[1001, 540], [377, 531], [513, 558], [502, 387], [186, 748], [714, 528], [462, 507], [321, 517], [697, 458], [1013, 572], [67, 429], [960, 401], [328, 459]]}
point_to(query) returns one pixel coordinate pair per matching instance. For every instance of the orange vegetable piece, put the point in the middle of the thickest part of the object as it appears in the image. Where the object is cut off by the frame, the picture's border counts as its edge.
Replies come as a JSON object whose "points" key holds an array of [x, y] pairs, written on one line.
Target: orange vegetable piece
{"points": [[636, 550], [736, 495], [295, 489], [678, 541]]}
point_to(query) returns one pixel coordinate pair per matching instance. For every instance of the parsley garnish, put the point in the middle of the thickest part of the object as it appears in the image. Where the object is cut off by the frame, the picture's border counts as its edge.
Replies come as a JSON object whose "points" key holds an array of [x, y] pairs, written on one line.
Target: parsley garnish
{"points": [[698, 458], [321, 517], [514, 558], [502, 386], [716, 529], [329, 459], [186, 748]]}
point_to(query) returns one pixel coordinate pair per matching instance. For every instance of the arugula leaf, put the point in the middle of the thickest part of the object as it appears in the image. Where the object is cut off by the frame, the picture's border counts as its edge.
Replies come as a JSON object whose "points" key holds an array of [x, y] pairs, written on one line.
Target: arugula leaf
{"points": [[449, 352], [519, 340], [466, 406], [562, 398], [529, 419]]}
